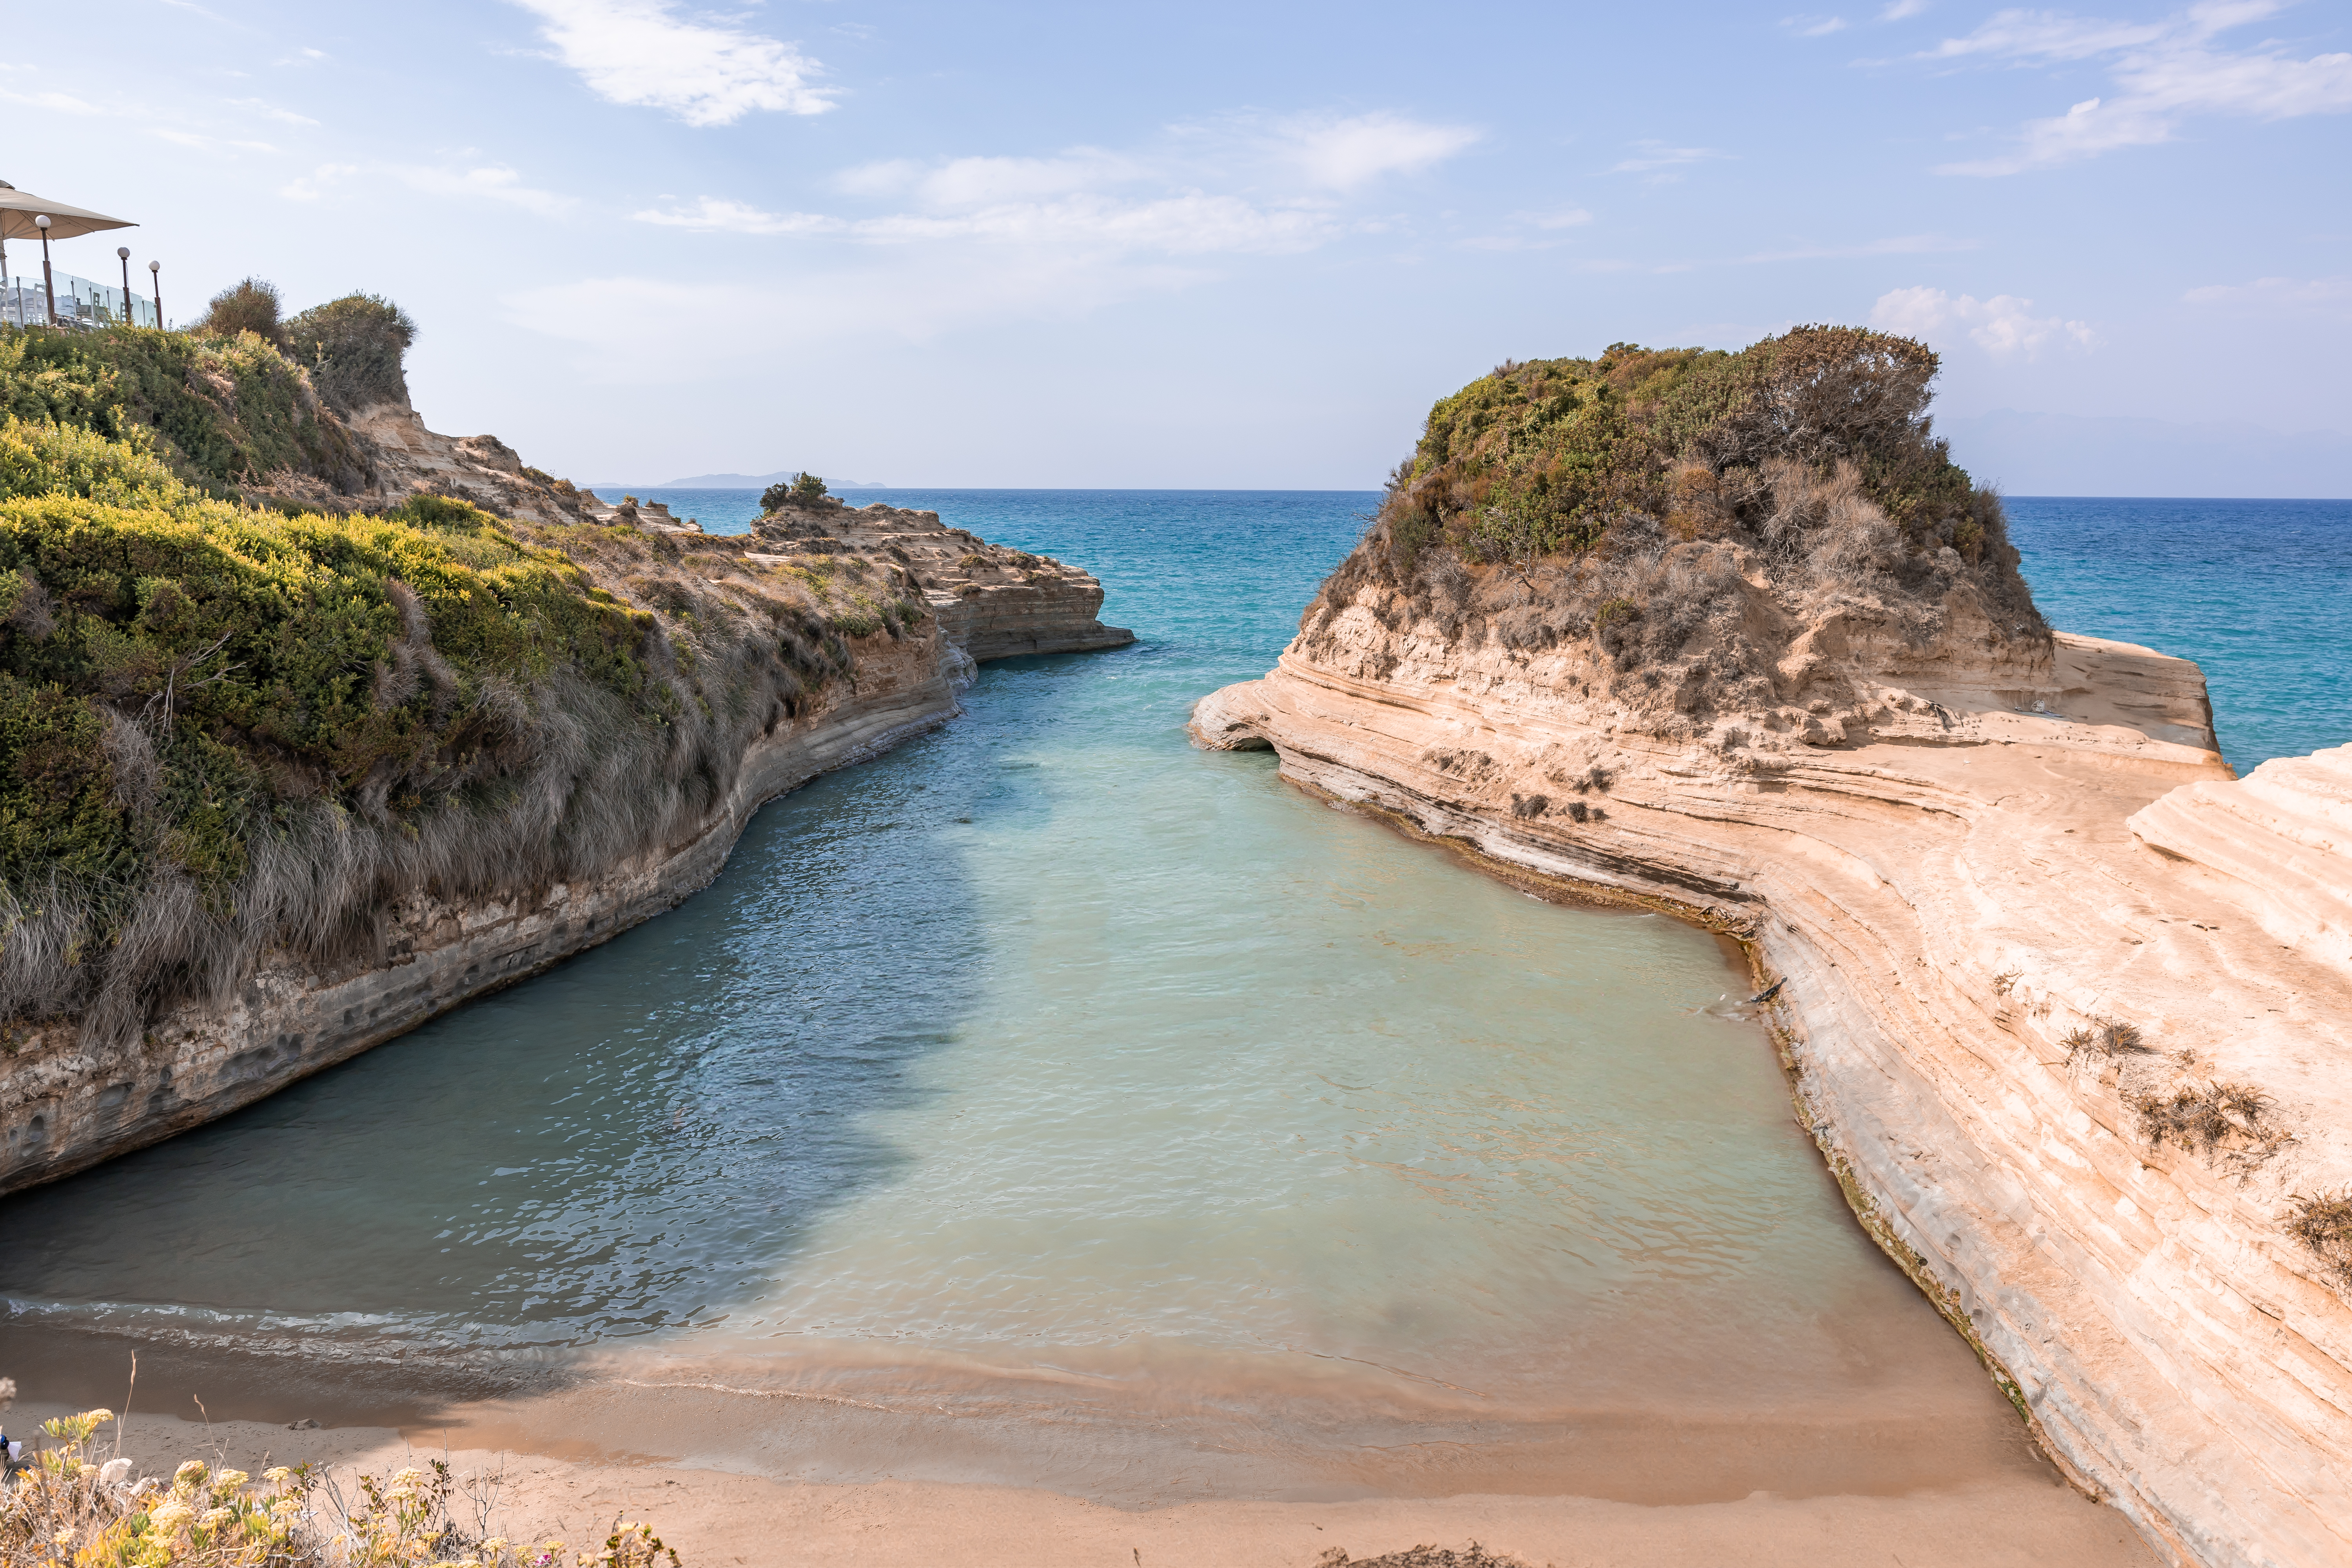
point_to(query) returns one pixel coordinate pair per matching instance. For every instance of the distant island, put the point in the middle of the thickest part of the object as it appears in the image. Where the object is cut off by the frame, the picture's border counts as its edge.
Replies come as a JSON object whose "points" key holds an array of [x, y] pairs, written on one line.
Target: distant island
{"points": [[726, 482]]}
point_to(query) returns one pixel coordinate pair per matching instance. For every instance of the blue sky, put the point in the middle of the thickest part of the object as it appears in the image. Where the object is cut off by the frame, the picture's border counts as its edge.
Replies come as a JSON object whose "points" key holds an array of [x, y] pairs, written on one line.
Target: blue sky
{"points": [[1226, 244]]}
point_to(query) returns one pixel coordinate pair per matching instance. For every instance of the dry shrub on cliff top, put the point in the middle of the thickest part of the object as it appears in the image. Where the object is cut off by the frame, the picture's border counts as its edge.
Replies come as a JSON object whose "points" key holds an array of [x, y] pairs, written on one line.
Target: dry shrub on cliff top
{"points": [[1730, 499]]}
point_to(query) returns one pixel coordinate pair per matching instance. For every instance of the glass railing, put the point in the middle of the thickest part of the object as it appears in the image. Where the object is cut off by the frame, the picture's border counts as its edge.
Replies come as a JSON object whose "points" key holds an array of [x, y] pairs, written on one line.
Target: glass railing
{"points": [[81, 303]]}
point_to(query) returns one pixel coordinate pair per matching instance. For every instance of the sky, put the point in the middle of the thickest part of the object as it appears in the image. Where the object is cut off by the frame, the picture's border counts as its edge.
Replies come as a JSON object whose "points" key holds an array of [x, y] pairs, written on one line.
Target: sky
{"points": [[1225, 245]]}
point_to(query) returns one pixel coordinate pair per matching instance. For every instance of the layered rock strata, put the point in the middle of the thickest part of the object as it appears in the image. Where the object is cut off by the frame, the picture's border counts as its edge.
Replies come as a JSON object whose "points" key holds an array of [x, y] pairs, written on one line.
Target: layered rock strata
{"points": [[66, 1103], [2016, 922]]}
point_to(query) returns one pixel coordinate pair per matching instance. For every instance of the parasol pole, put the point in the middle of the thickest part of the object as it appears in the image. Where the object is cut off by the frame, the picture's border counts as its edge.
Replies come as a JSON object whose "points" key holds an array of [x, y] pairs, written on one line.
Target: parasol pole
{"points": [[48, 288]]}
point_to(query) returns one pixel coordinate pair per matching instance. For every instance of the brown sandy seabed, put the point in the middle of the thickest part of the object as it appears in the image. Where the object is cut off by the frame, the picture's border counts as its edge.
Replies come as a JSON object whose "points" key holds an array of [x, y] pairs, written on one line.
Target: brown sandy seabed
{"points": [[1942, 1475], [768, 1478], [733, 1463]]}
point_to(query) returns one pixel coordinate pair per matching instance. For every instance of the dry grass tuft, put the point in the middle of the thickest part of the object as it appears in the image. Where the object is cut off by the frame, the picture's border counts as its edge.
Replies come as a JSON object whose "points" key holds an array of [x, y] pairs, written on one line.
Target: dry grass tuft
{"points": [[2233, 1120], [1471, 1556], [2104, 1043], [2323, 1222]]}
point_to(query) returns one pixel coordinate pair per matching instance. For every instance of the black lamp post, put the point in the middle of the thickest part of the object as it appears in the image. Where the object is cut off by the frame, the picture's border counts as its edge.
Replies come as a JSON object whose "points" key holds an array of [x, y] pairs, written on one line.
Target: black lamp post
{"points": [[155, 276], [48, 288], [123, 251]]}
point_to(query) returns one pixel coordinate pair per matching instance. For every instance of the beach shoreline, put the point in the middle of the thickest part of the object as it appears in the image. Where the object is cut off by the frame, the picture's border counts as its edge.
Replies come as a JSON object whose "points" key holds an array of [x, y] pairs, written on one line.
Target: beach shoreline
{"points": [[719, 1511]]}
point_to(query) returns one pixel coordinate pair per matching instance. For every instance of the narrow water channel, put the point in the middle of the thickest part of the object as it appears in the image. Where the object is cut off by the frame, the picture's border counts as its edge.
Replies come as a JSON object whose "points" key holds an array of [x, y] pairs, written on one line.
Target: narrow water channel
{"points": [[1049, 1065]]}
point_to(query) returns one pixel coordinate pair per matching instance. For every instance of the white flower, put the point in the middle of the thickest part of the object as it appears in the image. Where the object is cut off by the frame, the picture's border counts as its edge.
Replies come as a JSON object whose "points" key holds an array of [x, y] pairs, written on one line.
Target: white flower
{"points": [[113, 1471]]}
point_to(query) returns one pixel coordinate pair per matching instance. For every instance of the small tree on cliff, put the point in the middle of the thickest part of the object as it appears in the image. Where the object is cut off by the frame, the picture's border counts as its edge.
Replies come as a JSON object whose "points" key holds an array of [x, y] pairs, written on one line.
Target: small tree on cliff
{"points": [[354, 348], [249, 306], [804, 490]]}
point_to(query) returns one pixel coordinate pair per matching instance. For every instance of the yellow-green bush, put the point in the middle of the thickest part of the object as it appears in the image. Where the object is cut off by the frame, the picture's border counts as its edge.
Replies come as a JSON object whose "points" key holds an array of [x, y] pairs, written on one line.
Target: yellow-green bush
{"points": [[70, 1509], [184, 681], [220, 411]]}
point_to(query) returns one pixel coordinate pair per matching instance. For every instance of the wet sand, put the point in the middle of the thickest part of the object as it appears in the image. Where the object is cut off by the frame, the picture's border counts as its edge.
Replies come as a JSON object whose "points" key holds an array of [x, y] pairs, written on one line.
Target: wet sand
{"points": [[759, 1479]]}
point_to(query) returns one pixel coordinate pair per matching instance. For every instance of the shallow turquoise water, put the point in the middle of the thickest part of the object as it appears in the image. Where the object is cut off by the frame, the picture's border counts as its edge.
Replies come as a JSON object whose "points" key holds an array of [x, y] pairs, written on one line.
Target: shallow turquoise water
{"points": [[1050, 1042], [1049, 1046]]}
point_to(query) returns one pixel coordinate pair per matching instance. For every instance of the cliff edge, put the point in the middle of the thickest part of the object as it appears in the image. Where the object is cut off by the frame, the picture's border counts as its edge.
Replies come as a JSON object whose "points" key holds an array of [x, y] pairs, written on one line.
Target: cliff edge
{"points": [[2063, 1004], [278, 780]]}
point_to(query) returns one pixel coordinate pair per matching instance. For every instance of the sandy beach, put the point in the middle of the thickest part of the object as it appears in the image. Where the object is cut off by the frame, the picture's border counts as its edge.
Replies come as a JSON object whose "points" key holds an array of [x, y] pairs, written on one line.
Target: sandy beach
{"points": [[703, 1470]]}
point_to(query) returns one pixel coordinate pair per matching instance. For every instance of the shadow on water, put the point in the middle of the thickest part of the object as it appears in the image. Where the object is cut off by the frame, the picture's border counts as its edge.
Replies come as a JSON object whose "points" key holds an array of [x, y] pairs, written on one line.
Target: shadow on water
{"points": [[1105, 1082], [613, 1149]]}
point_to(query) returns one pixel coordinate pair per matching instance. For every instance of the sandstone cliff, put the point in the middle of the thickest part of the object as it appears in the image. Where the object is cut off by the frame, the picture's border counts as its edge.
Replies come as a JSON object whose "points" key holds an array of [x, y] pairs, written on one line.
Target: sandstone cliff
{"points": [[2067, 1009], [819, 640]]}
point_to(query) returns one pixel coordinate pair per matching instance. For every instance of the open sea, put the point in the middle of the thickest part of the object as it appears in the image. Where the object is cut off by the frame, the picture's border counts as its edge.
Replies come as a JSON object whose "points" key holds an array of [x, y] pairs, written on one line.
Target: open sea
{"points": [[1047, 1054]]}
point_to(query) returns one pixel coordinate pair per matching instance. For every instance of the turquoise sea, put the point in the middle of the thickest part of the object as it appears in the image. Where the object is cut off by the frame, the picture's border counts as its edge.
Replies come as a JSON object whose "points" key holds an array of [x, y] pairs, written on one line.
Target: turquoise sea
{"points": [[2257, 591], [1048, 1053]]}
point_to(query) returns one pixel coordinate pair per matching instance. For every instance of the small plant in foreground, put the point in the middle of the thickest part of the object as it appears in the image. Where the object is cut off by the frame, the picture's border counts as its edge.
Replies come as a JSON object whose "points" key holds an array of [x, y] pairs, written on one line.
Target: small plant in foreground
{"points": [[79, 1505]]}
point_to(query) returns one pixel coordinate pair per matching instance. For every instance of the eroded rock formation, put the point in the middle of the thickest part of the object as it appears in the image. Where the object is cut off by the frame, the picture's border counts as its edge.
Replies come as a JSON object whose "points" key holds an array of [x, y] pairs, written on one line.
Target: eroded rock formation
{"points": [[2064, 1006]]}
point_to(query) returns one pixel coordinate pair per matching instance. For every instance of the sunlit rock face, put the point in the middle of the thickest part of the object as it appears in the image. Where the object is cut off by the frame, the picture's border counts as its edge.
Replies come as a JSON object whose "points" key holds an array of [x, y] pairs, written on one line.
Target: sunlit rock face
{"points": [[2064, 1006]]}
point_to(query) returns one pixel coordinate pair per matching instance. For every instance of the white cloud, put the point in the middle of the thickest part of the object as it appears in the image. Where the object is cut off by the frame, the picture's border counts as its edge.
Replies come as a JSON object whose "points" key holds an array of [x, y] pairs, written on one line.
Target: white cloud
{"points": [[1903, 10], [642, 53], [946, 242], [210, 144], [912, 294], [981, 181], [56, 102], [2326, 297], [1185, 225], [494, 182], [713, 214], [1548, 224], [1894, 244], [1654, 155], [310, 187], [271, 111], [2001, 326], [1814, 26], [2165, 72], [1342, 154]]}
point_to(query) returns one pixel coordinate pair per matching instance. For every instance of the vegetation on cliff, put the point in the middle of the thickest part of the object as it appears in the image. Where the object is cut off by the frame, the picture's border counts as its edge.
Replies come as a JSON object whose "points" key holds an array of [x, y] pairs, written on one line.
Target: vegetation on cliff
{"points": [[1653, 500], [220, 411], [225, 727]]}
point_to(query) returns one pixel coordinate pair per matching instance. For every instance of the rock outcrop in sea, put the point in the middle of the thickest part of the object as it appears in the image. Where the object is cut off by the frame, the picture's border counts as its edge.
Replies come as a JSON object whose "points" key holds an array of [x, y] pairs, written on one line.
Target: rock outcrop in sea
{"points": [[2067, 1008]]}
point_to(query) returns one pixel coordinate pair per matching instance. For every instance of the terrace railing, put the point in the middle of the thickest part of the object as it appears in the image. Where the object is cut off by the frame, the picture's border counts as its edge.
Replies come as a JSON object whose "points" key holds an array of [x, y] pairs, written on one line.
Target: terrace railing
{"points": [[81, 303]]}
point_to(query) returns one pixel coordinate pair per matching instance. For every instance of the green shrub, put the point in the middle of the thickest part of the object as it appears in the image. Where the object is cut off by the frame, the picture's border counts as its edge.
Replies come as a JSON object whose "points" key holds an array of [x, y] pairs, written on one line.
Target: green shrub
{"points": [[1545, 457], [801, 489], [250, 305], [222, 412], [353, 347], [64, 460]]}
